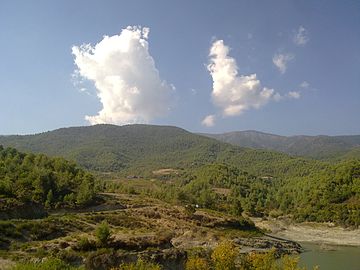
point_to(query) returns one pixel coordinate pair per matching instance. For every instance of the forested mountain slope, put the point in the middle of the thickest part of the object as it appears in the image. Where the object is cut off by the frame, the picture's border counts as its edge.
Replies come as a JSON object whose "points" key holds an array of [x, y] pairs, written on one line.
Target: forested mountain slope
{"points": [[142, 148], [318, 147]]}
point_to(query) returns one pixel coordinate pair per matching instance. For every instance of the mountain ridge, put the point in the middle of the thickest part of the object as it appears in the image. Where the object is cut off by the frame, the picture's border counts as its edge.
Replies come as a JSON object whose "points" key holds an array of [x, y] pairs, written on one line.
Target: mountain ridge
{"points": [[322, 147], [139, 148]]}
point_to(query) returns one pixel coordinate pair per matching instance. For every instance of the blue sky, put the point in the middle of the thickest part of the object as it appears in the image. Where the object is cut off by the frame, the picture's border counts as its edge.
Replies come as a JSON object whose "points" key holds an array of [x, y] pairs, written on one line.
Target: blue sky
{"points": [[305, 54]]}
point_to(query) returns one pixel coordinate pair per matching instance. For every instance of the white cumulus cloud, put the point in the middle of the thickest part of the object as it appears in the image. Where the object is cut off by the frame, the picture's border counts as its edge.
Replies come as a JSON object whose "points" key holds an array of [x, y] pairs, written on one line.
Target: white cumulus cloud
{"points": [[127, 81], [304, 84], [281, 60], [234, 93], [301, 36], [294, 94], [209, 121]]}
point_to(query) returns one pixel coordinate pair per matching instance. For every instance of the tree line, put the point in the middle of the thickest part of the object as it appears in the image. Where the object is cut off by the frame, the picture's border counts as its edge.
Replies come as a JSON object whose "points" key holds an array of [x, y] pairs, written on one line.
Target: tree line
{"points": [[27, 178]]}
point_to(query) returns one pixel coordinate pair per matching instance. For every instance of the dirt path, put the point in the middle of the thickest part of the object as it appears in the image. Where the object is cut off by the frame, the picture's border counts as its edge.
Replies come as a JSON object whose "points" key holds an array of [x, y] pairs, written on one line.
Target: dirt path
{"points": [[310, 232]]}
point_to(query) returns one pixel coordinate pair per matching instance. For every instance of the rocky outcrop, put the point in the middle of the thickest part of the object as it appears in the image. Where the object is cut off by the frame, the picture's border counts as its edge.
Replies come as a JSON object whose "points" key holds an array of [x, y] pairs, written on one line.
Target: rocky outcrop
{"points": [[169, 259], [266, 243]]}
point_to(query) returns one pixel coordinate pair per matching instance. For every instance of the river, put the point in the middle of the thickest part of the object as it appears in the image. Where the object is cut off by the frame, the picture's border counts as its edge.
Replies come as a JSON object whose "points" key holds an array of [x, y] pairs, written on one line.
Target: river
{"points": [[330, 257]]}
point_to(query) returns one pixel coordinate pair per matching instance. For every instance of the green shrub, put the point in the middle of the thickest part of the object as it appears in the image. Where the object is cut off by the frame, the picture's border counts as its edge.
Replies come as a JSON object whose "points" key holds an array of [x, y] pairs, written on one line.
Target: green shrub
{"points": [[103, 233], [139, 265], [197, 263], [49, 264], [224, 256], [84, 244]]}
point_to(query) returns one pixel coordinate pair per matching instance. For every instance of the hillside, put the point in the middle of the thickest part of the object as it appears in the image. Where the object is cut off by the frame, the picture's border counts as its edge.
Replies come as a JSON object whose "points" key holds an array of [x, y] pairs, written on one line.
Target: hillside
{"points": [[194, 205], [29, 182], [139, 149], [318, 147]]}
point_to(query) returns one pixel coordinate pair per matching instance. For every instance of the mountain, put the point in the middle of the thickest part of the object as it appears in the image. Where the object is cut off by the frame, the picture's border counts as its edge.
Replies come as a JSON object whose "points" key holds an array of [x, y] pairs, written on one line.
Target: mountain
{"points": [[318, 147], [142, 148]]}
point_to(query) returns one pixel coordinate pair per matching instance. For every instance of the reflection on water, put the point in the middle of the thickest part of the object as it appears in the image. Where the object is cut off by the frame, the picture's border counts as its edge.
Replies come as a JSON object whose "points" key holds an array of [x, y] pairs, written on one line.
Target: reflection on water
{"points": [[330, 257]]}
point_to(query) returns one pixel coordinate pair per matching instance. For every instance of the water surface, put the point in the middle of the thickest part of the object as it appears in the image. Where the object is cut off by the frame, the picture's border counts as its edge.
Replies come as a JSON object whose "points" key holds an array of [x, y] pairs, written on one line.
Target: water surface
{"points": [[330, 257]]}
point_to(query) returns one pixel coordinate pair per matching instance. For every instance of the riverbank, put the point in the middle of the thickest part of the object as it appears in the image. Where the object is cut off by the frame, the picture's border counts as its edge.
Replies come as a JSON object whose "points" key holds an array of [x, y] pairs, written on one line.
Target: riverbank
{"points": [[319, 233]]}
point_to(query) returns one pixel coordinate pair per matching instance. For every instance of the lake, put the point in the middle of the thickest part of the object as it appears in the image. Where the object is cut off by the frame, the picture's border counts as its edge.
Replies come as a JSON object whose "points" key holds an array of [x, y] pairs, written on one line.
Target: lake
{"points": [[330, 257]]}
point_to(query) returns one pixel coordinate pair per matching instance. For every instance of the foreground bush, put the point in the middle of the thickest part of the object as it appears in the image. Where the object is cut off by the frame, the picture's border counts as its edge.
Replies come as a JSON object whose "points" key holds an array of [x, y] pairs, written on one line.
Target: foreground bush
{"points": [[226, 257], [197, 264], [268, 261], [139, 265], [49, 264]]}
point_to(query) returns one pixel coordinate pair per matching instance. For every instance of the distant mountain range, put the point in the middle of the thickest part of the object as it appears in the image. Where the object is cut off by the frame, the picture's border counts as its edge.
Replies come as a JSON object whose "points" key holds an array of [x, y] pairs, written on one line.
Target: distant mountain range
{"points": [[318, 147], [139, 149]]}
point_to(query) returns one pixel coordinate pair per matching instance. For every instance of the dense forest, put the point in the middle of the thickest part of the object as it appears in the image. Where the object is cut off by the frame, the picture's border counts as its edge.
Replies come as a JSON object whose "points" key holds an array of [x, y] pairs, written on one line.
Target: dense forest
{"points": [[42, 180], [331, 148], [331, 194], [140, 149], [210, 173]]}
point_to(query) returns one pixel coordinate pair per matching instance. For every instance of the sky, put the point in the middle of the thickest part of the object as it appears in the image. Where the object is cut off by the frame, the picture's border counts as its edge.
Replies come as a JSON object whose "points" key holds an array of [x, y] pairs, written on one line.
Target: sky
{"points": [[282, 67]]}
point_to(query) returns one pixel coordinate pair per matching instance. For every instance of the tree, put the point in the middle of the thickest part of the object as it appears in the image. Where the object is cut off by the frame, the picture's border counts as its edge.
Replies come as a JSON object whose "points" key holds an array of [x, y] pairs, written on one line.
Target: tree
{"points": [[86, 190], [49, 199]]}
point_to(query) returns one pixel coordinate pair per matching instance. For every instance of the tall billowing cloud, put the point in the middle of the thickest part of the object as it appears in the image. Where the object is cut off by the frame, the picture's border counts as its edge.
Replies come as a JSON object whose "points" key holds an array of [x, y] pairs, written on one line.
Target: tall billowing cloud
{"points": [[301, 37], [124, 73], [233, 93], [281, 61]]}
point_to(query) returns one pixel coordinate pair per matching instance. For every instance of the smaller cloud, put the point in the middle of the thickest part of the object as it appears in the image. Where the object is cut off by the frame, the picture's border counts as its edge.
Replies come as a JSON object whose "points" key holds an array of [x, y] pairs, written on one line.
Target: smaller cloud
{"points": [[250, 36], [209, 121], [294, 94], [288, 95], [278, 97], [281, 61], [232, 92], [301, 36], [304, 85], [193, 91]]}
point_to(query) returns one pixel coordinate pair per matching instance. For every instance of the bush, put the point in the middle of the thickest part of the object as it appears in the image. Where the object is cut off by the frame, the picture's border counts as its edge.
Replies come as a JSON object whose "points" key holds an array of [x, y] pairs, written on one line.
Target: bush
{"points": [[224, 256], [84, 244], [102, 259], [139, 265], [49, 264], [197, 263], [266, 261], [103, 233], [275, 213]]}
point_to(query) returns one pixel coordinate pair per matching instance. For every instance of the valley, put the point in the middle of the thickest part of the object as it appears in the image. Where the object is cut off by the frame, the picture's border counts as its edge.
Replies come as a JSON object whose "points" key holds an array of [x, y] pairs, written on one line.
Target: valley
{"points": [[165, 197]]}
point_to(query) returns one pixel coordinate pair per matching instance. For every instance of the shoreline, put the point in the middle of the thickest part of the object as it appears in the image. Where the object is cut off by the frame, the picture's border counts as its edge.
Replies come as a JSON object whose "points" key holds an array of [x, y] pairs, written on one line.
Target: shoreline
{"points": [[310, 232]]}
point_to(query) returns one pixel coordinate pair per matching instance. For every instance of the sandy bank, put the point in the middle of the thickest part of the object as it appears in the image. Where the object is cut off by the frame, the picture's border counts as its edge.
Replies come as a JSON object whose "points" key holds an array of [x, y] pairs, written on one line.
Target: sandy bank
{"points": [[310, 232]]}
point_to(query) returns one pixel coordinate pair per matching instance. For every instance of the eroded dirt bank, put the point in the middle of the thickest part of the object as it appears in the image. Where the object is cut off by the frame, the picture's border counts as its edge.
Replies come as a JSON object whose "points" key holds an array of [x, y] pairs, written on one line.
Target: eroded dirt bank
{"points": [[321, 233]]}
